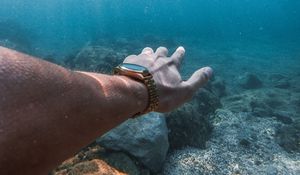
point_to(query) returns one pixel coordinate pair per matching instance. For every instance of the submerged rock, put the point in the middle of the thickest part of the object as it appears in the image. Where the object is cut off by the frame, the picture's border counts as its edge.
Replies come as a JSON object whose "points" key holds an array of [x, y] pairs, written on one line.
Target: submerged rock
{"points": [[189, 125], [90, 167], [95, 58], [218, 86], [145, 138], [250, 81], [97, 160]]}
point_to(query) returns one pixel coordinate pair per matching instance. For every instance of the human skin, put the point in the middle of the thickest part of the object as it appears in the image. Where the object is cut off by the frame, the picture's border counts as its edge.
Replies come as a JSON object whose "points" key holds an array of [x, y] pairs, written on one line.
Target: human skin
{"points": [[47, 112]]}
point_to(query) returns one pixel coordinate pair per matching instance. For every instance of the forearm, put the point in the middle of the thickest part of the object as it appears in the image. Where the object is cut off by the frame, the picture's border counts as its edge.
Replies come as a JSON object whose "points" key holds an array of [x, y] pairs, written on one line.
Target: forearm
{"points": [[48, 113]]}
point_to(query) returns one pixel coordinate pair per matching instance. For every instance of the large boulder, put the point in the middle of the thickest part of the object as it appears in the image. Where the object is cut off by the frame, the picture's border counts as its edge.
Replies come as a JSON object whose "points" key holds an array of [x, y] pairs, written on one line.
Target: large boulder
{"points": [[145, 138]]}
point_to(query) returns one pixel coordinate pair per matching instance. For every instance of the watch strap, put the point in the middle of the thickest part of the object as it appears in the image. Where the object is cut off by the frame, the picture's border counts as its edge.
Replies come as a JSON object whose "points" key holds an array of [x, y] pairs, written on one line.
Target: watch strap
{"points": [[153, 95], [148, 81]]}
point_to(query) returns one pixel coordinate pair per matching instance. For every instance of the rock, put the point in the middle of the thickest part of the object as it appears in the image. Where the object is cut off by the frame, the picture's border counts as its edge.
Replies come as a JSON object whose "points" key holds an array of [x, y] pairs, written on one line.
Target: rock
{"points": [[95, 58], [124, 163], [206, 102], [189, 125], [219, 87], [92, 167], [236, 169], [97, 160], [244, 142], [145, 138], [250, 81]]}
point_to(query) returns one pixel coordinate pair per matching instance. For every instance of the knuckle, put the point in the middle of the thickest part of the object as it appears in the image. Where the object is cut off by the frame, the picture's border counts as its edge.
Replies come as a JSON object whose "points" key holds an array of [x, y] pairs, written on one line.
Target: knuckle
{"points": [[147, 50], [176, 62], [129, 58], [162, 50]]}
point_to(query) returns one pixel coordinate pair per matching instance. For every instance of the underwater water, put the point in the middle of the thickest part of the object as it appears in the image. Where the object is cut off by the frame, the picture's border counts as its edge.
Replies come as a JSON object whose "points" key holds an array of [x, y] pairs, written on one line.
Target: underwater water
{"points": [[252, 45]]}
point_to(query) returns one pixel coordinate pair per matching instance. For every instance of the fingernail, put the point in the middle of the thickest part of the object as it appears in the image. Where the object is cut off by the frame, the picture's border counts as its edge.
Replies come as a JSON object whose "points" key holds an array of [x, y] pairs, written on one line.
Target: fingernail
{"points": [[181, 50], [208, 71], [147, 51]]}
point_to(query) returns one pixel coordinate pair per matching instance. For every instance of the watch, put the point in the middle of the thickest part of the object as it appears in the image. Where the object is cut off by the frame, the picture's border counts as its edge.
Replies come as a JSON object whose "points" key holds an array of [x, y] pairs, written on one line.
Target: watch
{"points": [[142, 74]]}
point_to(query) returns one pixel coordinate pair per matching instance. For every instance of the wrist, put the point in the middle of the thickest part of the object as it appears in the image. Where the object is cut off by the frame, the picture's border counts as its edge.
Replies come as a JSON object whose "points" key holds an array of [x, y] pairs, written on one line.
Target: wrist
{"points": [[141, 74], [123, 95], [138, 91]]}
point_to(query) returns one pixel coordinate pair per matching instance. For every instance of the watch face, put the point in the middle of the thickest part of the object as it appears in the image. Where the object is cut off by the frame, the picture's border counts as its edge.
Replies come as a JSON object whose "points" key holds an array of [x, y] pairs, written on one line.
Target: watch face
{"points": [[133, 67]]}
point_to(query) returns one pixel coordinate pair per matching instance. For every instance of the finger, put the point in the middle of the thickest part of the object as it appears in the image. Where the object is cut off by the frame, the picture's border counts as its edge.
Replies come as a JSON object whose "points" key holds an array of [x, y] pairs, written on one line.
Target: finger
{"points": [[178, 55], [148, 51], [199, 78], [161, 52], [130, 58]]}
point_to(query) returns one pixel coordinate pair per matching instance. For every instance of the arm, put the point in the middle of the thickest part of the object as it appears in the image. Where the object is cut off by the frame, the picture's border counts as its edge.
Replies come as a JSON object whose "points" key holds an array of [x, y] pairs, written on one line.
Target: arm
{"points": [[47, 113]]}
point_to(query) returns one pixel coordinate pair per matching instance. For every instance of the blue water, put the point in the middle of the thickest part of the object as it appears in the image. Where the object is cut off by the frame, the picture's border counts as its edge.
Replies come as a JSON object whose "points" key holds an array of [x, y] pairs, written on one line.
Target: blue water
{"points": [[61, 25]]}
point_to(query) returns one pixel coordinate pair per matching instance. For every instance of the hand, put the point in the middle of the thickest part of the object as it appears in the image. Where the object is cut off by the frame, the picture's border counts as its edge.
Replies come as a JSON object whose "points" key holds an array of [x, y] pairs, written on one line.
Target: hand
{"points": [[172, 90]]}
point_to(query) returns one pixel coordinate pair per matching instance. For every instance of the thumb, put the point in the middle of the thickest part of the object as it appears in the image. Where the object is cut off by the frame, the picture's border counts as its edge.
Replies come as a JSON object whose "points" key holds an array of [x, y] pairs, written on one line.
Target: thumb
{"points": [[199, 78]]}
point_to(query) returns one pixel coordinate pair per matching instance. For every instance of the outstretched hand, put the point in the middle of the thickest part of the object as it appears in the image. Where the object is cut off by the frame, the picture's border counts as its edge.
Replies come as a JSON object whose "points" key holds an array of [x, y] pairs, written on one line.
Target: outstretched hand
{"points": [[172, 90]]}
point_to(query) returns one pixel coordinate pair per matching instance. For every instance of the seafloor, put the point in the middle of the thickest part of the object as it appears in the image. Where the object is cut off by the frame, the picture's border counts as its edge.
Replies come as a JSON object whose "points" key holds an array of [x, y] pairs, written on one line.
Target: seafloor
{"points": [[245, 121]]}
